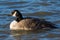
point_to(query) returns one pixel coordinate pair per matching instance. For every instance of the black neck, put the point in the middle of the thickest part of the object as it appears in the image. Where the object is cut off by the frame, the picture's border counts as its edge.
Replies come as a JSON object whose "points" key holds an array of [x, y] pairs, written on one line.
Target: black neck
{"points": [[18, 16], [18, 19]]}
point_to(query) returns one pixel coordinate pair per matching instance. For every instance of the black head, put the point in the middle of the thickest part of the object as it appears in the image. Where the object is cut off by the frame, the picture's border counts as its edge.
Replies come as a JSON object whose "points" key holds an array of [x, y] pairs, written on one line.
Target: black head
{"points": [[17, 14]]}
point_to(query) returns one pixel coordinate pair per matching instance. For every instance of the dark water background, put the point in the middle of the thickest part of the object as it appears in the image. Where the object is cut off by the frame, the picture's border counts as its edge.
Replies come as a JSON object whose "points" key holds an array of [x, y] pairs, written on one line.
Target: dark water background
{"points": [[47, 9]]}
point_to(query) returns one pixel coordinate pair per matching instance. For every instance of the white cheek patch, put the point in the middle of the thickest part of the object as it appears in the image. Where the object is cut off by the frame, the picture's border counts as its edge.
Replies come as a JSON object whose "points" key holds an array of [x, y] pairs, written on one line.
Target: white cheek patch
{"points": [[14, 15]]}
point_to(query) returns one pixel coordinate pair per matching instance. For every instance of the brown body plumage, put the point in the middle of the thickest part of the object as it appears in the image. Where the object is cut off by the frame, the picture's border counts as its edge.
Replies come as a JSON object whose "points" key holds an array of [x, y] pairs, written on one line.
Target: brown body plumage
{"points": [[29, 23]]}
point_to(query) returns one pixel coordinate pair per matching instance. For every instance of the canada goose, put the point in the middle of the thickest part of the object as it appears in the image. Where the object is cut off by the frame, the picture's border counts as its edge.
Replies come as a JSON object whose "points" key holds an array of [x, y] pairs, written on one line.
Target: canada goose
{"points": [[28, 23]]}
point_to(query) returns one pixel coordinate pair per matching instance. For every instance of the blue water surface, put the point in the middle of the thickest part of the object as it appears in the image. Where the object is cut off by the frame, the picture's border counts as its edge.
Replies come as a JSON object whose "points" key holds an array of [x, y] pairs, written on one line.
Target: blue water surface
{"points": [[47, 9]]}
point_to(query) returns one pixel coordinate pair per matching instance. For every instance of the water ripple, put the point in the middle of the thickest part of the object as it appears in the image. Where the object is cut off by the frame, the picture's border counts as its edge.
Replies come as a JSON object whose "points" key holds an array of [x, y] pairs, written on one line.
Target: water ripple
{"points": [[47, 9]]}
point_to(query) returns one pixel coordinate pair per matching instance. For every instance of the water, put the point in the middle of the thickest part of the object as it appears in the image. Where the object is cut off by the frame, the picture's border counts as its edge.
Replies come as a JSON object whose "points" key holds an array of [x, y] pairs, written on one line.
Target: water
{"points": [[47, 9]]}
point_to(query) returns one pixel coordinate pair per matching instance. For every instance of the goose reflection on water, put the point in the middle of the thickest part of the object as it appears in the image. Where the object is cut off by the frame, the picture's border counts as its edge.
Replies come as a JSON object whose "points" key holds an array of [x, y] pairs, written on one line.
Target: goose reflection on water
{"points": [[28, 35]]}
